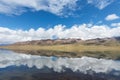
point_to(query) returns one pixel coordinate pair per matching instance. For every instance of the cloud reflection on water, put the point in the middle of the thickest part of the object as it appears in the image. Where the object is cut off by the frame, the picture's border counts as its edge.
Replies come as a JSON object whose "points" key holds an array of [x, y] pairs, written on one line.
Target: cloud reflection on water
{"points": [[84, 64]]}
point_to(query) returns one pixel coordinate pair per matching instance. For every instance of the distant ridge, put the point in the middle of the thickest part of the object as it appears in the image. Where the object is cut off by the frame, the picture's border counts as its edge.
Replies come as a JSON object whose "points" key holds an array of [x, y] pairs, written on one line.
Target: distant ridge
{"points": [[97, 41], [49, 42], [108, 48], [4, 44]]}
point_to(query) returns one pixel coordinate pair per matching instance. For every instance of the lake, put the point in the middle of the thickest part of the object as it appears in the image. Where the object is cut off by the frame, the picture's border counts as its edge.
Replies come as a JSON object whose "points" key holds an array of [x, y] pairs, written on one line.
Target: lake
{"points": [[20, 66]]}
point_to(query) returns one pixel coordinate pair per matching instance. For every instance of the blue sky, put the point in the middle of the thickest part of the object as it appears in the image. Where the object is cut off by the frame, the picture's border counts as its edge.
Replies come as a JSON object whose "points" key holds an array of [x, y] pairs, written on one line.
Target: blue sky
{"points": [[26, 15], [84, 13]]}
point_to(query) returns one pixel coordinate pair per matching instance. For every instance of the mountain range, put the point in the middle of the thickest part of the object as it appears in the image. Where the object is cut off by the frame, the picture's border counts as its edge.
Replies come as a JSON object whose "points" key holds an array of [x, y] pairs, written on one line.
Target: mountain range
{"points": [[98, 41]]}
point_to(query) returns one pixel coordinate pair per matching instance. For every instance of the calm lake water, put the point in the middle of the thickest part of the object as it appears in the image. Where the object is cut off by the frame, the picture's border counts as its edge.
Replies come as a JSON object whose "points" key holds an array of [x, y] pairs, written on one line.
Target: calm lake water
{"points": [[16, 66]]}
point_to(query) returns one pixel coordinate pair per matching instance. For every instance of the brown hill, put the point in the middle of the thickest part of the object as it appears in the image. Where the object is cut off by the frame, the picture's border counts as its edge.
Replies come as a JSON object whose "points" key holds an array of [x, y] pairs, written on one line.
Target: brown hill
{"points": [[97, 41], [49, 42], [103, 41]]}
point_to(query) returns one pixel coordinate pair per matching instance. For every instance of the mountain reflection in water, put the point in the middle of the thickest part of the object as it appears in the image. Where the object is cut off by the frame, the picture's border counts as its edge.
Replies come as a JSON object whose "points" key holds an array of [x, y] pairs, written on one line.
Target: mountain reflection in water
{"points": [[14, 66]]}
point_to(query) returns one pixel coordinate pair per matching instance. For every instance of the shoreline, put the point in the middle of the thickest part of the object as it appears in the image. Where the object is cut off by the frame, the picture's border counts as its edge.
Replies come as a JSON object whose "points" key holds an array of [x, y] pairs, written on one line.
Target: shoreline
{"points": [[71, 51]]}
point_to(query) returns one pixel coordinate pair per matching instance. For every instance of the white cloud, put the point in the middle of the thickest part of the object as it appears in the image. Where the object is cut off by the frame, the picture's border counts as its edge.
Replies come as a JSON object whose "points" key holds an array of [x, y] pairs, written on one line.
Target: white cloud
{"points": [[17, 7], [115, 24], [77, 31], [58, 7], [101, 4], [112, 17]]}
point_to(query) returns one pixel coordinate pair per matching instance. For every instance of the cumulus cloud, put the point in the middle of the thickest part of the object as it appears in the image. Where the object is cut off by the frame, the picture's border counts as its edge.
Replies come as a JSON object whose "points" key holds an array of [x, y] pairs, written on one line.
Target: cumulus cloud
{"points": [[17, 7], [60, 31], [112, 17], [57, 7], [101, 4], [115, 24]]}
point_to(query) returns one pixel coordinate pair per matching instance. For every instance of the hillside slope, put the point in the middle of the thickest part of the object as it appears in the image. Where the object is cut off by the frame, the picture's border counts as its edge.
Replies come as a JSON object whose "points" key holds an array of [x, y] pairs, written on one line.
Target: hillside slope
{"points": [[108, 48], [97, 41]]}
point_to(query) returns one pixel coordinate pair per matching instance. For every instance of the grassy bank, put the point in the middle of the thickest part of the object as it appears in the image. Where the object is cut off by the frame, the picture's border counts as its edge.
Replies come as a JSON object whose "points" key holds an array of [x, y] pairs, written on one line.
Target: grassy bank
{"points": [[69, 50]]}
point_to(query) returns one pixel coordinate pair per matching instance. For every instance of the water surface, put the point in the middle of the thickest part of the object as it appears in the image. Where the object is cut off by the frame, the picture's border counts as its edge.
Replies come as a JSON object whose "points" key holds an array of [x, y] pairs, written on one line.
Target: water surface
{"points": [[16, 66]]}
